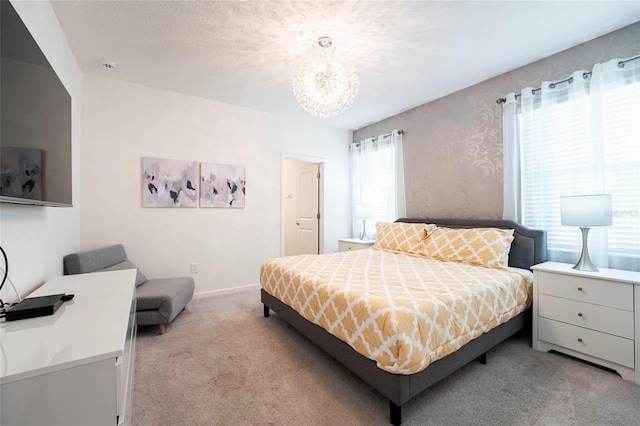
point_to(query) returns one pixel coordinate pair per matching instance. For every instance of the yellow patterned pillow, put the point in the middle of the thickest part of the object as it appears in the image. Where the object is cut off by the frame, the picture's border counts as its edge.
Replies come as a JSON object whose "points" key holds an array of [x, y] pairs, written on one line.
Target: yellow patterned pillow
{"points": [[401, 237], [479, 246]]}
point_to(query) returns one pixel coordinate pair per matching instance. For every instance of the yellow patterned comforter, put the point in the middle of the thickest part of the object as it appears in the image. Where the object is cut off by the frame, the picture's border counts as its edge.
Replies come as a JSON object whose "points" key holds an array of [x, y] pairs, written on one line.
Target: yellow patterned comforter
{"points": [[402, 311]]}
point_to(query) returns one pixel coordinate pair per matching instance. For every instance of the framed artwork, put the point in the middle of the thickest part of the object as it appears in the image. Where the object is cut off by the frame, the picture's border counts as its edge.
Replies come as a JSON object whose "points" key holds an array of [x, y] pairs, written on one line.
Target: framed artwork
{"points": [[222, 185], [21, 172], [169, 183]]}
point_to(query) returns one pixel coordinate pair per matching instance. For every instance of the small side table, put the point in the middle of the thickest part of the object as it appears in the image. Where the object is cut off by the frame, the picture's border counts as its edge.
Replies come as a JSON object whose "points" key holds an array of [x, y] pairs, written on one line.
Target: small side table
{"points": [[593, 316]]}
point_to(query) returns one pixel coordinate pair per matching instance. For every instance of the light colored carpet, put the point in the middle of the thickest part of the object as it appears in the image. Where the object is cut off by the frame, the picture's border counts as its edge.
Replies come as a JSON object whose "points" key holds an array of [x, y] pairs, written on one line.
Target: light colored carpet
{"points": [[222, 363]]}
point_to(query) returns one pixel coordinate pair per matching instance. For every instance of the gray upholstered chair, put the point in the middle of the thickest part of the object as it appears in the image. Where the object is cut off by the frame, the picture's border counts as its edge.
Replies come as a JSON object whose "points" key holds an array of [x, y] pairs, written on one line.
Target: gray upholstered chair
{"points": [[159, 301]]}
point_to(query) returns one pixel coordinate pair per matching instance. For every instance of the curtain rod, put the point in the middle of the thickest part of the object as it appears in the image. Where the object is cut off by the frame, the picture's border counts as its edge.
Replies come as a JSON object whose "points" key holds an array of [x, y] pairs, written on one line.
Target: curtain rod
{"points": [[568, 80], [389, 134], [400, 132]]}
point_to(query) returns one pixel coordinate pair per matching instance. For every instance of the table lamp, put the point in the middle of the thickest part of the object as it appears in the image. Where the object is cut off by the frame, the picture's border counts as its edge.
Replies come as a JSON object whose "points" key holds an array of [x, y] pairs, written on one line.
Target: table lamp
{"points": [[364, 212], [586, 211]]}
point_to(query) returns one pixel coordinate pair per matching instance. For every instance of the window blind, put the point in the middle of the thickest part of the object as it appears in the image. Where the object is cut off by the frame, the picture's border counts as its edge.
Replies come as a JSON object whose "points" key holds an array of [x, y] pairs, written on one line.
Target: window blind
{"points": [[380, 185]]}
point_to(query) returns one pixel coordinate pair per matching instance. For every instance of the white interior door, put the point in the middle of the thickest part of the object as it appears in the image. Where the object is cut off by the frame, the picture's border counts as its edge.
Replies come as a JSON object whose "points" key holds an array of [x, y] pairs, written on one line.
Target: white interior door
{"points": [[308, 217]]}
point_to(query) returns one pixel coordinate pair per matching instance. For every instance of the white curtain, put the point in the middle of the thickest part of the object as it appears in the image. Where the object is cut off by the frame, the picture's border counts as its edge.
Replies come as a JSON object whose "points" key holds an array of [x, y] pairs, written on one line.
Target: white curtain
{"points": [[512, 208], [377, 180], [577, 136]]}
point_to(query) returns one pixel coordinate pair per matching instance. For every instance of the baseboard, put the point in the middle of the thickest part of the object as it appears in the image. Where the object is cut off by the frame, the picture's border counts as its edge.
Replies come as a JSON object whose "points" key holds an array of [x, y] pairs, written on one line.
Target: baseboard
{"points": [[224, 291]]}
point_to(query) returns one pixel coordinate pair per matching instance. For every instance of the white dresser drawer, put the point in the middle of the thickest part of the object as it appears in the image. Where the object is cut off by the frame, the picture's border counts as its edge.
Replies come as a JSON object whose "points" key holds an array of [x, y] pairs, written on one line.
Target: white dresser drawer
{"points": [[590, 290], [342, 246], [600, 318], [600, 345], [347, 245]]}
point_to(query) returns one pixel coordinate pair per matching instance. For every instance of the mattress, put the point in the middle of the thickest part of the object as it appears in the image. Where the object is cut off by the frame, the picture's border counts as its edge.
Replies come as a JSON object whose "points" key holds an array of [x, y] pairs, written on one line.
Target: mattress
{"points": [[400, 310]]}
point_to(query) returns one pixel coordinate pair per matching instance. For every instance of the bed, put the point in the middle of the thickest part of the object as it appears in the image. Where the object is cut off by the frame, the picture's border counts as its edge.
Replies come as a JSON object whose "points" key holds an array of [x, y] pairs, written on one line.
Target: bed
{"points": [[378, 332]]}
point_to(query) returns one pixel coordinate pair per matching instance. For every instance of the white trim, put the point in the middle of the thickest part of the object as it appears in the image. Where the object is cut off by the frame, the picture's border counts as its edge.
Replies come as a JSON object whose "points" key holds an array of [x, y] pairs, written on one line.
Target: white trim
{"points": [[225, 291], [637, 336]]}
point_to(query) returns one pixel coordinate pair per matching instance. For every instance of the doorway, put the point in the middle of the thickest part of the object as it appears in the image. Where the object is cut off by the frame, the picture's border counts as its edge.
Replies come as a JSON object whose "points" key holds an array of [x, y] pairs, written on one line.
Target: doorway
{"points": [[302, 205]]}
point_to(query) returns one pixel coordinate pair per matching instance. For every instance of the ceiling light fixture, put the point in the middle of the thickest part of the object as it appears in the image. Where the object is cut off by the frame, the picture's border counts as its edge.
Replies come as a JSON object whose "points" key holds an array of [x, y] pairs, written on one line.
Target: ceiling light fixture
{"points": [[323, 82]]}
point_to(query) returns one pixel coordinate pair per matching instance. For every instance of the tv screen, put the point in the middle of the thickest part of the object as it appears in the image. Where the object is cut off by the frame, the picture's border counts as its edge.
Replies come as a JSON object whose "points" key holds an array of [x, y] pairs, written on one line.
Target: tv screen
{"points": [[35, 120]]}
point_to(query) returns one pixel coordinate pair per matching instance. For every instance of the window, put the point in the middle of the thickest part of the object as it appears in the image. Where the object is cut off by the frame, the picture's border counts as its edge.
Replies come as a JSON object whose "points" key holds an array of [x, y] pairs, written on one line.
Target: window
{"points": [[377, 179], [582, 136]]}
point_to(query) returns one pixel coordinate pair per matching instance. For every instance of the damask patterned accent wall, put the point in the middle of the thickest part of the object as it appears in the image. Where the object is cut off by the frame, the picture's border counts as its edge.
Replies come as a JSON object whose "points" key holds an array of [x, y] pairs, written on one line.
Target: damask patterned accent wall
{"points": [[453, 145]]}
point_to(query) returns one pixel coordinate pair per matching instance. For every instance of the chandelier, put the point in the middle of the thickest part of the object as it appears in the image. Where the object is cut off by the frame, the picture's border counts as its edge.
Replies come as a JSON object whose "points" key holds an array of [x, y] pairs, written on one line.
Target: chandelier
{"points": [[323, 82]]}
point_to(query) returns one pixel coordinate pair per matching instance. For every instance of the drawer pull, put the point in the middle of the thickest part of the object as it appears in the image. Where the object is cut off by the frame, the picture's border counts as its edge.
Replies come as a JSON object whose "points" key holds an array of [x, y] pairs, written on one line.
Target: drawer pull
{"points": [[579, 314], [580, 339], [579, 288]]}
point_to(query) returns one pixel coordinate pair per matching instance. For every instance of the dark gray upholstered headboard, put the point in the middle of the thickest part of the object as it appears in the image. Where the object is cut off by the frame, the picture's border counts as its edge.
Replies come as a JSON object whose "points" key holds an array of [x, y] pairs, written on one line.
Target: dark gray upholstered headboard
{"points": [[529, 246]]}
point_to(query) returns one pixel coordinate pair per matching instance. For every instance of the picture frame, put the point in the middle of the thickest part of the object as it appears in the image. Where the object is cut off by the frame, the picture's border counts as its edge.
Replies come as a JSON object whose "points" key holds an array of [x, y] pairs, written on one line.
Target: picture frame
{"points": [[169, 183], [222, 185]]}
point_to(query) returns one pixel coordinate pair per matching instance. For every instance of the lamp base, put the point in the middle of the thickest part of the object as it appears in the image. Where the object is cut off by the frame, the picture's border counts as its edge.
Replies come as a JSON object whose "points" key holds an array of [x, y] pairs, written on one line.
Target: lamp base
{"points": [[585, 264], [364, 228]]}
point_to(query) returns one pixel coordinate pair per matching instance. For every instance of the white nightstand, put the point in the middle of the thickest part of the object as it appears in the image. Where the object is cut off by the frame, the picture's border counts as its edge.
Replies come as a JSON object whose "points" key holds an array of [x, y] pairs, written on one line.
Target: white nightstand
{"points": [[588, 315], [347, 244]]}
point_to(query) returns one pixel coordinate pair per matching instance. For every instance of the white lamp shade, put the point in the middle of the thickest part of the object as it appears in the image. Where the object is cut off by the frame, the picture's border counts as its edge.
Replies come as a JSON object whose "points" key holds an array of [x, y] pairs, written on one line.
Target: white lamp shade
{"points": [[364, 211], [586, 210]]}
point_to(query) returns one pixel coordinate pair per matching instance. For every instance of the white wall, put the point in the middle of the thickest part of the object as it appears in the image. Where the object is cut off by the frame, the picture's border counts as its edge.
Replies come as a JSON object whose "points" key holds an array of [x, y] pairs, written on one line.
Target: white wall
{"points": [[124, 122], [36, 238]]}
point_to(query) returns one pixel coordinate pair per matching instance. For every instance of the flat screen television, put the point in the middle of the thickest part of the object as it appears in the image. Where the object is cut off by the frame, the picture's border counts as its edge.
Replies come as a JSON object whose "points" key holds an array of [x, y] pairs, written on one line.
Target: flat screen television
{"points": [[35, 120]]}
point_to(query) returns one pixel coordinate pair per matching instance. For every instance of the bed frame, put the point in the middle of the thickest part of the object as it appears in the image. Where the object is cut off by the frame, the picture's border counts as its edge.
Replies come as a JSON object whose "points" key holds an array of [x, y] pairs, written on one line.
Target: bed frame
{"points": [[528, 248]]}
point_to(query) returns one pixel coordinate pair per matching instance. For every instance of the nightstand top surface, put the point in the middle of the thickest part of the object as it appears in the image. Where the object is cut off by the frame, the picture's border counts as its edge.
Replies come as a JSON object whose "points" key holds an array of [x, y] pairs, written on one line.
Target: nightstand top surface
{"points": [[356, 240], [603, 273]]}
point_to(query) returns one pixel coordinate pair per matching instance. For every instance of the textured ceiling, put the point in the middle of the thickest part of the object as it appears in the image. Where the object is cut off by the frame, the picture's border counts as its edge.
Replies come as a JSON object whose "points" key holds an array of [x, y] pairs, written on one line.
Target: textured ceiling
{"points": [[406, 53]]}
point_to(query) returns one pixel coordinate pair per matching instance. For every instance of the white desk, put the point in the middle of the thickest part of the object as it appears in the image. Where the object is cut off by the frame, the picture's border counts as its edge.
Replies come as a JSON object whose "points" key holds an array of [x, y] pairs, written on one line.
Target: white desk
{"points": [[74, 367]]}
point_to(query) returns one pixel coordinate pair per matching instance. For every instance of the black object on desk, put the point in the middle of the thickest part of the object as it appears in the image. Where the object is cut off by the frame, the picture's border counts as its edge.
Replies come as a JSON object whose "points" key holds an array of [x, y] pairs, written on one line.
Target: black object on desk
{"points": [[32, 307]]}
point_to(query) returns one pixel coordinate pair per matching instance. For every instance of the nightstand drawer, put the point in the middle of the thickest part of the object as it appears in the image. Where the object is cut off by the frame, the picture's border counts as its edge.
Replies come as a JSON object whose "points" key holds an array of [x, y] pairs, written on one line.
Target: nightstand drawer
{"points": [[346, 245], [590, 290], [600, 345], [600, 318]]}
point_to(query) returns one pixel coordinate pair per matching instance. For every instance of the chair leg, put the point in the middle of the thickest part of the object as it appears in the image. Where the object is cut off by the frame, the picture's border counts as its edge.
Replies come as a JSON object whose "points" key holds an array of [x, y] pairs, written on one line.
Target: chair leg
{"points": [[162, 328]]}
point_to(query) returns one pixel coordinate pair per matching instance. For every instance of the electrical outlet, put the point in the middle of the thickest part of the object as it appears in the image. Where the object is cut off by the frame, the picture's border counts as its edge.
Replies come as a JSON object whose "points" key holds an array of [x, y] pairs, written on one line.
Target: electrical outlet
{"points": [[195, 268]]}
